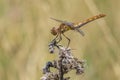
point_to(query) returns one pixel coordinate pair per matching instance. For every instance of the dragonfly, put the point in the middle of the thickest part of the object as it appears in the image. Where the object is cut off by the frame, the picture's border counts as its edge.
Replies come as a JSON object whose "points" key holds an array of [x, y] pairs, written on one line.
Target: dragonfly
{"points": [[66, 26]]}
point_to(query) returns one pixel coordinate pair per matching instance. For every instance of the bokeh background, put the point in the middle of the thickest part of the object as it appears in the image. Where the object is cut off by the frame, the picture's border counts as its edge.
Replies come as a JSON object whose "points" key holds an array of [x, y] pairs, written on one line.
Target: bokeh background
{"points": [[25, 34]]}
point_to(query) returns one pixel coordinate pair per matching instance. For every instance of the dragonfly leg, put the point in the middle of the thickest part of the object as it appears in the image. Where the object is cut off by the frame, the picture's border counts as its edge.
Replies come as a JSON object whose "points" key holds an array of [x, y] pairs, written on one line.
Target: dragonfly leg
{"points": [[56, 40], [55, 37], [67, 39], [60, 38], [54, 43]]}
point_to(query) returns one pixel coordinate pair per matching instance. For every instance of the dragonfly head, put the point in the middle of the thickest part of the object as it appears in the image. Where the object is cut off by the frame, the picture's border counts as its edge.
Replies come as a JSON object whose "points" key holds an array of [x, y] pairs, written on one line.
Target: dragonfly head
{"points": [[54, 31]]}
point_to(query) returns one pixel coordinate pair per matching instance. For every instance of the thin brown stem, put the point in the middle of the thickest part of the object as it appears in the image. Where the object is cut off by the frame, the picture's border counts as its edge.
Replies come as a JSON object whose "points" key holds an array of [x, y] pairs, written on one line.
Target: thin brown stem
{"points": [[61, 69]]}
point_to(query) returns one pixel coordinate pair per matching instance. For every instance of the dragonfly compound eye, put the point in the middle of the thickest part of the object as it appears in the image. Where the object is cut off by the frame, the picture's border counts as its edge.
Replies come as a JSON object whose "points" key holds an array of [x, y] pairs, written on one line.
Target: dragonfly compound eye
{"points": [[54, 31]]}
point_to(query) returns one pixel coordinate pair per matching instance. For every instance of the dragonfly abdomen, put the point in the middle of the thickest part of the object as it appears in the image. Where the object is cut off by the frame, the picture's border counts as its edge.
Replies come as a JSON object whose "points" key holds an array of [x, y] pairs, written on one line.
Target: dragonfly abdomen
{"points": [[90, 20]]}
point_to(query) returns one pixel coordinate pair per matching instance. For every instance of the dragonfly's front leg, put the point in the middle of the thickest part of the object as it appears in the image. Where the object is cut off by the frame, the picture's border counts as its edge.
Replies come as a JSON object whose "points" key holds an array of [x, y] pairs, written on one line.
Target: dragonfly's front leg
{"points": [[57, 39], [54, 43], [67, 39]]}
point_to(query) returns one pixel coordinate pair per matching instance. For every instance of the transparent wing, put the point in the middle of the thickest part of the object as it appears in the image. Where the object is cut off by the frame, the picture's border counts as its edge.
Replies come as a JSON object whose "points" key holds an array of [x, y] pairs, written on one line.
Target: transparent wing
{"points": [[80, 31], [70, 24]]}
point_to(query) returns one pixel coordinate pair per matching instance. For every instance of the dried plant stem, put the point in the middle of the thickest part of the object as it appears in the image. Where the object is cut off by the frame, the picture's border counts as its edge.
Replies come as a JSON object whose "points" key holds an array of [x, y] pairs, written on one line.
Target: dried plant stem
{"points": [[61, 69]]}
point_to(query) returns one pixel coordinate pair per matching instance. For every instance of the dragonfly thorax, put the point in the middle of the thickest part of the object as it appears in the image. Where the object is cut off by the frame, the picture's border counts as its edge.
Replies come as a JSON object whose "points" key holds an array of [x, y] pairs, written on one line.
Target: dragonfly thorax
{"points": [[61, 29]]}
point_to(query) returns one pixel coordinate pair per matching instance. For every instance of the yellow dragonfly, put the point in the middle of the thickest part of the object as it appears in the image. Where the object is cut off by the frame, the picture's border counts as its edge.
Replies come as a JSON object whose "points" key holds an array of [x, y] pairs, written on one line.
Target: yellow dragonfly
{"points": [[66, 26]]}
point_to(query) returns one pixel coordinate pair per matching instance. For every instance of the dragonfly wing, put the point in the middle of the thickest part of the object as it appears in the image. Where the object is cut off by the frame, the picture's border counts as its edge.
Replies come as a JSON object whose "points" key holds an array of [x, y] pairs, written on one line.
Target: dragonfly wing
{"points": [[64, 22], [57, 20], [80, 31]]}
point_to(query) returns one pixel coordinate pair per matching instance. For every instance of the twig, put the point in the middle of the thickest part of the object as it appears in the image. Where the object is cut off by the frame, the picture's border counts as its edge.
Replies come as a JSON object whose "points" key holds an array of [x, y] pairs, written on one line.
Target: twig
{"points": [[61, 69]]}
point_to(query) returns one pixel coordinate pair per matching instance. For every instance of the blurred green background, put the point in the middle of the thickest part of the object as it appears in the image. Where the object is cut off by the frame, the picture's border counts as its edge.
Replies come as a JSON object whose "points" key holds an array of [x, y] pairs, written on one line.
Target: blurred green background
{"points": [[25, 34]]}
